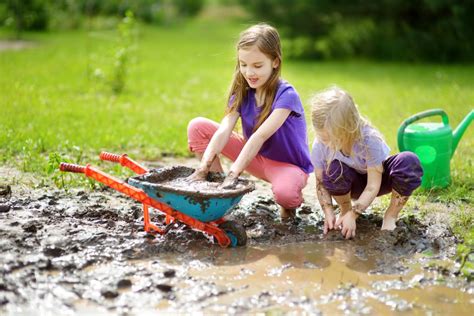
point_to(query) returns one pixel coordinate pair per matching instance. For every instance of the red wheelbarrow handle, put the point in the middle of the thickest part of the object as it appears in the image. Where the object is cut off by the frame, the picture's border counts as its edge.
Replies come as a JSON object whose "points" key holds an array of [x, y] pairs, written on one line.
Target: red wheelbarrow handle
{"points": [[109, 157], [70, 167], [125, 161]]}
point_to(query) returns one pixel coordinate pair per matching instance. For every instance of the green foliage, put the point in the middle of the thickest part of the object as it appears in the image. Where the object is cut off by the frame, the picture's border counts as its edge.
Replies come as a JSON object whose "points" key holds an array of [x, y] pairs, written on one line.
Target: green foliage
{"points": [[22, 15], [188, 7], [115, 66], [465, 255], [126, 30], [461, 219], [149, 11], [434, 30], [39, 15], [65, 14], [451, 194], [145, 10], [53, 169], [462, 223]]}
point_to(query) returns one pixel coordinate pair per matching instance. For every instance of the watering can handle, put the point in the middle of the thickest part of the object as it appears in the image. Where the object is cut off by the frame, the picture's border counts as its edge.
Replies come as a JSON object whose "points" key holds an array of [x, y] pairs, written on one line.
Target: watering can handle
{"points": [[416, 117]]}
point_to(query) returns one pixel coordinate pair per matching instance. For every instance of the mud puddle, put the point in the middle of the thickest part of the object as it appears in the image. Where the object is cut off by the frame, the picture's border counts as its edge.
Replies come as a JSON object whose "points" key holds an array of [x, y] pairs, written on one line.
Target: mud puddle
{"points": [[328, 278], [85, 252]]}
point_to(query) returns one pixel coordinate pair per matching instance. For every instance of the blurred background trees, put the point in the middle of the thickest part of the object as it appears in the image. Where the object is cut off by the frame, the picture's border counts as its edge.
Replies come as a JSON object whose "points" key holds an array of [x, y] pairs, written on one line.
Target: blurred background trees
{"points": [[40, 15], [432, 30], [411, 30], [24, 15]]}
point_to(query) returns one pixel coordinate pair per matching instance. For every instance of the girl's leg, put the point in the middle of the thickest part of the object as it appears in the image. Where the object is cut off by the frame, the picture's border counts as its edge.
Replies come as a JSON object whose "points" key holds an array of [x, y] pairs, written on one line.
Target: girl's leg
{"points": [[287, 182], [402, 175], [397, 202], [200, 131]]}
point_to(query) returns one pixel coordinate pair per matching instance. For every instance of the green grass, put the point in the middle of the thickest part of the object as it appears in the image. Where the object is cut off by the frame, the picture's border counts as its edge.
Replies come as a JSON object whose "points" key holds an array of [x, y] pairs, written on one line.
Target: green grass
{"points": [[50, 103]]}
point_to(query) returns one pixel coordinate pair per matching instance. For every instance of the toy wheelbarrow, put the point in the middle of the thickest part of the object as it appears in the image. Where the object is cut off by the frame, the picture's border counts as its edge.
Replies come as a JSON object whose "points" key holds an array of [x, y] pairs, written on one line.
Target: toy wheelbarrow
{"points": [[203, 211]]}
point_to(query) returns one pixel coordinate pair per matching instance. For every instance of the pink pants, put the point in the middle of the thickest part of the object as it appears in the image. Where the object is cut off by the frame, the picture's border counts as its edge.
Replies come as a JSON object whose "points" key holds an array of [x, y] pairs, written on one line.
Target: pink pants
{"points": [[287, 179]]}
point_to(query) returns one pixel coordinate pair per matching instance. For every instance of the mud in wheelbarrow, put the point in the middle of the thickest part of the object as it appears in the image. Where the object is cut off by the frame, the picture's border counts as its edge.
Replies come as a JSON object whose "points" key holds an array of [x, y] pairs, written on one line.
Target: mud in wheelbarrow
{"points": [[200, 205], [203, 201]]}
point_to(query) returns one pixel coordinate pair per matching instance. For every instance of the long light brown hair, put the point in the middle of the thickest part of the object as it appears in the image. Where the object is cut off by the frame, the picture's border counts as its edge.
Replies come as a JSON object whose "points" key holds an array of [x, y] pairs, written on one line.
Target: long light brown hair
{"points": [[267, 40]]}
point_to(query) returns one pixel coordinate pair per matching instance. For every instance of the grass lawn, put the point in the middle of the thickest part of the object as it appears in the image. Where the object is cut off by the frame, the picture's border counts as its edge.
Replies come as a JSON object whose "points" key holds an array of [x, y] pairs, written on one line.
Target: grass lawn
{"points": [[51, 103]]}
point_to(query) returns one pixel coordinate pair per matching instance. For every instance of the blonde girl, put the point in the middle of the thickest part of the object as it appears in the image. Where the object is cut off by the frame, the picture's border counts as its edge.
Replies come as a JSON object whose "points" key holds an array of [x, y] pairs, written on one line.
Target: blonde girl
{"points": [[351, 161], [274, 145]]}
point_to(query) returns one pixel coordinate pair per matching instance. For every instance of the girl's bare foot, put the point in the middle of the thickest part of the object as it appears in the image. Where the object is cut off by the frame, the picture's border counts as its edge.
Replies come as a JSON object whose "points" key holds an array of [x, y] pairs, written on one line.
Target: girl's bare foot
{"points": [[389, 223], [397, 202], [287, 213]]}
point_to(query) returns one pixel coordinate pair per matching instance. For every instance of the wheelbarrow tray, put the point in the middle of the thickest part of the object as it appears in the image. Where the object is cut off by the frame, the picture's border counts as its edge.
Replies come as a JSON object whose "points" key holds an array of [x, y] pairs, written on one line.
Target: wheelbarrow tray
{"points": [[205, 206]]}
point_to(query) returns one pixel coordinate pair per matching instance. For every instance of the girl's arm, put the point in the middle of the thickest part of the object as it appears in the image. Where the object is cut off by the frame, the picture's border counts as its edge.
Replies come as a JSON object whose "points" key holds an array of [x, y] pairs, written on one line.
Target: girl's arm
{"points": [[217, 143], [255, 142], [374, 180], [325, 201], [323, 195]]}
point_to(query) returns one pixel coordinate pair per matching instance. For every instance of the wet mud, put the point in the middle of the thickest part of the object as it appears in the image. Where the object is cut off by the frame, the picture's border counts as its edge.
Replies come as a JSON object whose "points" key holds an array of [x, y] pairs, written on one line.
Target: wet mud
{"points": [[86, 252]]}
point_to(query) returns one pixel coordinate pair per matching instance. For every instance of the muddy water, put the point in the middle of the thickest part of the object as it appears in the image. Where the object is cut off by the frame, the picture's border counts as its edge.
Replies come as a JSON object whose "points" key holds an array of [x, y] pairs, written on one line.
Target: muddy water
{"points": [[81, 252], [328, 278], [312, 277]]}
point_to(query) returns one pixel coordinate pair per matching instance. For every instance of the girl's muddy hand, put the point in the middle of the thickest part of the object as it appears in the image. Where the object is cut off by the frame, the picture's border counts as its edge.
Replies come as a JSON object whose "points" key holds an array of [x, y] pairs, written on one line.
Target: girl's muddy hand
{"points": [[230, 182], [348, 224], [329, 222], [198, 175]]}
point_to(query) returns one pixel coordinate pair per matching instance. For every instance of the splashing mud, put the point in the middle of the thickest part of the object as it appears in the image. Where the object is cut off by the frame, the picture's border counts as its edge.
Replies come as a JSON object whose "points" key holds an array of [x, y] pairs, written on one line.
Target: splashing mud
{"points": [[86, 252]]}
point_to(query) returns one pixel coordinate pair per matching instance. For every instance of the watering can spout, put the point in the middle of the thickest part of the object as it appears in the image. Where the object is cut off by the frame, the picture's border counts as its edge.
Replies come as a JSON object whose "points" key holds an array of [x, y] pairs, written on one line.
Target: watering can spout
{"points": [[459, 131]]}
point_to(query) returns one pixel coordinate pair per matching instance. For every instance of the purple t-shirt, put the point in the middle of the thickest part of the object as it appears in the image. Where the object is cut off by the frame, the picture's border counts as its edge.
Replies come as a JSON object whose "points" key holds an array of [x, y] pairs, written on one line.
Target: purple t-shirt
{"points": [[289, 143], [371, 151]]}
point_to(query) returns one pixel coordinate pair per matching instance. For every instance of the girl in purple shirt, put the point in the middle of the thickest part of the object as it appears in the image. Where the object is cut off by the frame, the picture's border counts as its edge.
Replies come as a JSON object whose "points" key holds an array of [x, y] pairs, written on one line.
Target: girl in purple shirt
{"points": [[351, 161], [274, 145]]}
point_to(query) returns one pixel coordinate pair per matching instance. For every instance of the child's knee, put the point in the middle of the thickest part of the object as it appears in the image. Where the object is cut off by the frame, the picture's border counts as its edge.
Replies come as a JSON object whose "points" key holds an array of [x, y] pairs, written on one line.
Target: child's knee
{"points": [[406, 173], [200, 131], [287, 197], [196, 125]]}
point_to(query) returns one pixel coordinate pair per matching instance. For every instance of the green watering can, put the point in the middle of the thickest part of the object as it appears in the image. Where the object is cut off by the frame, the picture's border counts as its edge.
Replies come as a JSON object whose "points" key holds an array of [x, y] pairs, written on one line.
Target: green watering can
{"points": [[433, 143]]}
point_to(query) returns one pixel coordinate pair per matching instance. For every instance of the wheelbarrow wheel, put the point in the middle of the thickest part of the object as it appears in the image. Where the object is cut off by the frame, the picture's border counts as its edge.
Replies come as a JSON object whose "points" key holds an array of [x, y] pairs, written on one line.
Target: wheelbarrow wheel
{"points": [[236, 233]]}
